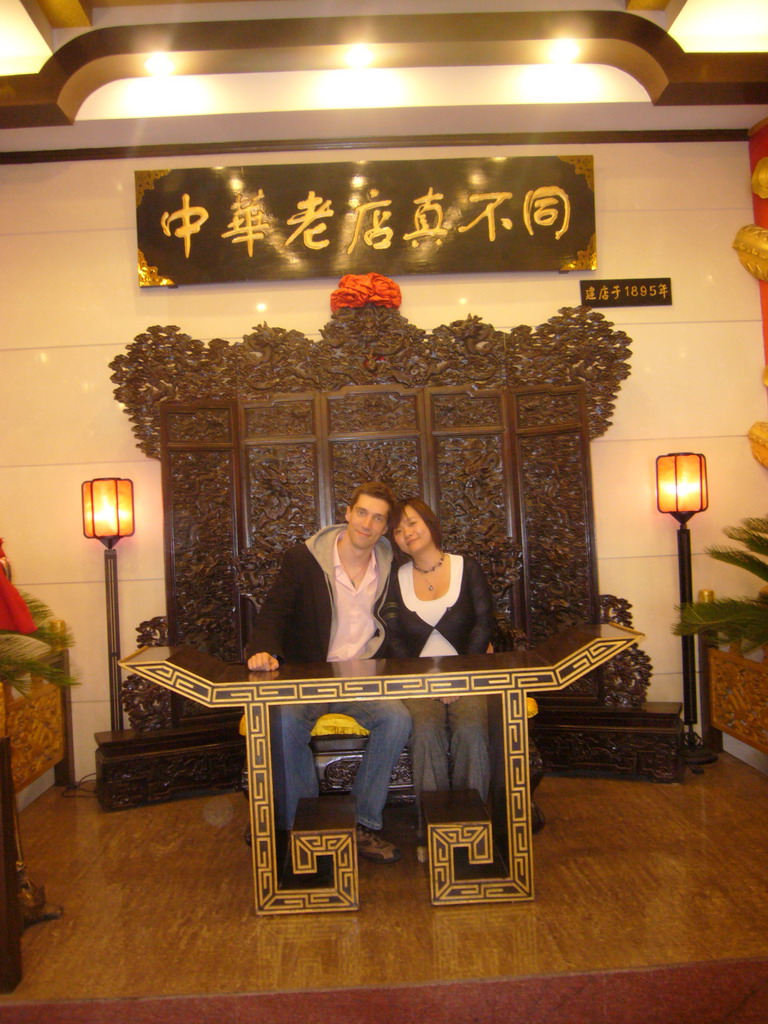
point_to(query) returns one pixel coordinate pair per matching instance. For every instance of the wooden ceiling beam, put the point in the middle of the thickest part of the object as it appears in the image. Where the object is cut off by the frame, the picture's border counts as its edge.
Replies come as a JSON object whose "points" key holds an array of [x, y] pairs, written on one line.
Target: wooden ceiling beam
{"points": [[630, 43], [66, 13]]}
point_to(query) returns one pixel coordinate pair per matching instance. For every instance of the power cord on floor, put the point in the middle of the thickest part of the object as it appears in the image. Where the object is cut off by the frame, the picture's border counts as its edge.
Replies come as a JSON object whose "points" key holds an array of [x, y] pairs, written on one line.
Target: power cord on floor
{"points": [[79, 788]]}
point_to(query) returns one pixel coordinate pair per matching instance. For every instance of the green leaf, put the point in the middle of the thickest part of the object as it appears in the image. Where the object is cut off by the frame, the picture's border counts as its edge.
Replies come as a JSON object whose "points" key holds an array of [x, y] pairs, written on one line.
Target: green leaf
{"points": [[29, 654], [742, 560], [729, 620]]}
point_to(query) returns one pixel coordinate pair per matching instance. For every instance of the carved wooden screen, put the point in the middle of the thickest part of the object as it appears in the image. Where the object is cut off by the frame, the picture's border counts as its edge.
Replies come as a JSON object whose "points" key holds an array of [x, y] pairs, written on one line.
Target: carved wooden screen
{"points": [[507, 470], [305, 456], [200, 446], [264, 438], [306, 453], [473, 488], [555, 493]]}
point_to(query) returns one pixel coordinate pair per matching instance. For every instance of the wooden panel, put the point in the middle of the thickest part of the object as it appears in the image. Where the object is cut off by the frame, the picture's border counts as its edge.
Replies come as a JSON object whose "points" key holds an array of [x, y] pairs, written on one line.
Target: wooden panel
{"points": [[474, 494], [201, 485], [36, 726], [555, 496], [40, 729], [739, 697], [373, 433], [10, 908]]}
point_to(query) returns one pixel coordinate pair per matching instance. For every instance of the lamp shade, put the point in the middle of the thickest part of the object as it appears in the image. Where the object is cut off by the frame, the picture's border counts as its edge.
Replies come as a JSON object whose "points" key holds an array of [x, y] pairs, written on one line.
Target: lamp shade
{"points": [[681, 484], [108, 509]]}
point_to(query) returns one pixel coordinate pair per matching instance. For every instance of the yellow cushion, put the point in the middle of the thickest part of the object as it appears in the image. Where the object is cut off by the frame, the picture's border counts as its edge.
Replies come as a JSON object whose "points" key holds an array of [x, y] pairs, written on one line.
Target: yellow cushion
{"points": [[329, 725], [338, 725], [344, 725]]}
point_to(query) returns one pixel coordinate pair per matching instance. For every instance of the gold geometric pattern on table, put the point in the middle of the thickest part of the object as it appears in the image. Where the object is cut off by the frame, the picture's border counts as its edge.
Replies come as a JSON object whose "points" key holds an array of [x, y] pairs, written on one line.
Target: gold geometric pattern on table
{"points": [[211, 682], [584, 661], [474, 839], [307, 848], [443, 841], [343, 892], [518, 794]]}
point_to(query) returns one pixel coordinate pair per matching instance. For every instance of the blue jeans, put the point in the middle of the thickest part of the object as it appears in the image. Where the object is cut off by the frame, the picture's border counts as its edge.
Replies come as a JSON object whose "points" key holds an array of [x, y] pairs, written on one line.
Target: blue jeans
{"points": [[460, 728], [293, 766]]}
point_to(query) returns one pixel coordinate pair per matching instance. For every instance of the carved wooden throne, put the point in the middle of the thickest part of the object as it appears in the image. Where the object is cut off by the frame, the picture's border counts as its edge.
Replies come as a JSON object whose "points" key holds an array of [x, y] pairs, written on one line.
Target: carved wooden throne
{"points": [[262, 442]]}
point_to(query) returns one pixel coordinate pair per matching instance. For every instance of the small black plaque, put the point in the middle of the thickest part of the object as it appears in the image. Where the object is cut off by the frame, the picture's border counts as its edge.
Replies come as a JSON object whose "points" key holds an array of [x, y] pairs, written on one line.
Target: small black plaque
{"points": [[634, 291]]}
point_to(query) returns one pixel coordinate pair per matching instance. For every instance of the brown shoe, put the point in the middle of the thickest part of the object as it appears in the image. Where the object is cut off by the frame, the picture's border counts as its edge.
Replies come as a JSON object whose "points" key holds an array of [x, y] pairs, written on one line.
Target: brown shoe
{"points": [[372, 847]]}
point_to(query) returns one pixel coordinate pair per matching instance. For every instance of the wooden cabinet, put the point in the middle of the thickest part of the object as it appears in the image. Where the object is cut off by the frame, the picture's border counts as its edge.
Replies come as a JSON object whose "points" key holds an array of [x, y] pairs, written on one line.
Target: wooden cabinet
{"points": [[39, 725]]}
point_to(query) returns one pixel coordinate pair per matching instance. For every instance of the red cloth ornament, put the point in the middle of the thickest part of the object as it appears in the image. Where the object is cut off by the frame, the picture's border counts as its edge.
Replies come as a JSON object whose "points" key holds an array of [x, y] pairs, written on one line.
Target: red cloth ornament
{"points": [[14, 614], [357, 290]]}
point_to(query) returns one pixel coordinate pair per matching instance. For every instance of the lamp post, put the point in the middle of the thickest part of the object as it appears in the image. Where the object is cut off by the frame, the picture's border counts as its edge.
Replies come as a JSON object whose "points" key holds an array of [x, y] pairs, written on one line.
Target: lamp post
{"points": [[108, 516], [681, 491]]}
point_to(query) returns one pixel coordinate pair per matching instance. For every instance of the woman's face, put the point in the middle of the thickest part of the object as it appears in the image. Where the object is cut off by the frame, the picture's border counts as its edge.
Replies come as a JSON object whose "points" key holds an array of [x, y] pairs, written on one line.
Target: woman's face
{"points": [[412, 534]]}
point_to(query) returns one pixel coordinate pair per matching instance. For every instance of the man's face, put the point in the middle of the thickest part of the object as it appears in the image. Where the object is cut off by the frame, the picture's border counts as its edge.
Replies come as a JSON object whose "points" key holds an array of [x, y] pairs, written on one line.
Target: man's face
{"points": [[367, 520]]}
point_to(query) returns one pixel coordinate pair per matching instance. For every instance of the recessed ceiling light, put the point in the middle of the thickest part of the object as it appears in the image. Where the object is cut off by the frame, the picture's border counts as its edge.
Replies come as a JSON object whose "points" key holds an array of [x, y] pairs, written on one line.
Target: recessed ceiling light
{"points": [[159, 64], [358, 56], [563, 51], [711, 26]]}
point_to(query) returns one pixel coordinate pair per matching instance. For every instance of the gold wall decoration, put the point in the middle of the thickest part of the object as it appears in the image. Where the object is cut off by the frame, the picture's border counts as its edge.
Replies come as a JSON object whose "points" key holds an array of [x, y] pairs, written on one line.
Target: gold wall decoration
{"points": [[148, 276], [739, 697], [760, 178], [758, 440], [35, 724], [145, 180], [751, 245]]}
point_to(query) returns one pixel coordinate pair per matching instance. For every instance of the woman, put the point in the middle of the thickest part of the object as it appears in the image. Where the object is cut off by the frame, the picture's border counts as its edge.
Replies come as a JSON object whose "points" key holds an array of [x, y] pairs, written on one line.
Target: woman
{"points": [[441, 604]]}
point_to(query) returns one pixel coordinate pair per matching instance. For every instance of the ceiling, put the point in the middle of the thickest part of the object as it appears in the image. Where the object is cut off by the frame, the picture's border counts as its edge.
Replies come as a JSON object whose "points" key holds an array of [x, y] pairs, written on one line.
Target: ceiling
{"points": [[261, 73]]}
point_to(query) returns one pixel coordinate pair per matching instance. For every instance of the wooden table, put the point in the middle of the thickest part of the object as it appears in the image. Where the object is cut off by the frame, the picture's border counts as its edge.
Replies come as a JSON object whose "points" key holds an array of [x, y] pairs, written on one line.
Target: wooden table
{"points": [[551, 666]]}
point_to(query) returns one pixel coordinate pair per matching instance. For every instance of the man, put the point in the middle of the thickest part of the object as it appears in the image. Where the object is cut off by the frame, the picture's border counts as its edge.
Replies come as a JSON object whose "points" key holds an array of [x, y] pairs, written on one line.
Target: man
{"points": [[326, 606]]}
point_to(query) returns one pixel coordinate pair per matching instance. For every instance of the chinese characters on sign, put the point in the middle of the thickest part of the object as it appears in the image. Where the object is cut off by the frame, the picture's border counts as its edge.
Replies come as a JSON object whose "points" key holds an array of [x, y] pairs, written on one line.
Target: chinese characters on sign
{"points": [[272, 222], [642, 291]]}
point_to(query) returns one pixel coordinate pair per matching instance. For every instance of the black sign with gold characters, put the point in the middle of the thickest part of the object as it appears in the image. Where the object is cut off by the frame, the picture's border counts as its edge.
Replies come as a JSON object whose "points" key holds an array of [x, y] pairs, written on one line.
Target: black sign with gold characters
{"points": [[635, 291], [281, 222]]}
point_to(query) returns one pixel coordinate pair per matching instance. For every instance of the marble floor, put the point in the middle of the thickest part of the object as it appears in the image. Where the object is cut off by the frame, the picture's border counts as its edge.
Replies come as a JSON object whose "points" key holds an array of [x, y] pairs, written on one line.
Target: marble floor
{"points": [[651, 903]]}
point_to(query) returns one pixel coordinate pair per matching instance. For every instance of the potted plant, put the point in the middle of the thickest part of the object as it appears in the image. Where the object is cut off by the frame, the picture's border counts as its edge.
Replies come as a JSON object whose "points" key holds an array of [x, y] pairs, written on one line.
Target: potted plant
{"points": [[741, 621], [738, 686], [26, 653]]}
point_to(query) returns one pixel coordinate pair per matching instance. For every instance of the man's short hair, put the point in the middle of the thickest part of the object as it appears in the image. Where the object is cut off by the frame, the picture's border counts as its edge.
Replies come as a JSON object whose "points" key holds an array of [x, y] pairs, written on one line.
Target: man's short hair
{"points": [[374, 489]]}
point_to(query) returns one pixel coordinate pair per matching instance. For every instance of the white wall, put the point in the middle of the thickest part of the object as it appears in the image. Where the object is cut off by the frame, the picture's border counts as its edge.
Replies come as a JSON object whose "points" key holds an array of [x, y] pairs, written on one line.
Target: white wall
{"points": [[71, 303]]}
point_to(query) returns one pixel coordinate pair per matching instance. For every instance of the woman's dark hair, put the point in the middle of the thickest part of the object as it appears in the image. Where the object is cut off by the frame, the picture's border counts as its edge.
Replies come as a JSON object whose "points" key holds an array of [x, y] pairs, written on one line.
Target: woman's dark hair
{"points": [[426, 513]]}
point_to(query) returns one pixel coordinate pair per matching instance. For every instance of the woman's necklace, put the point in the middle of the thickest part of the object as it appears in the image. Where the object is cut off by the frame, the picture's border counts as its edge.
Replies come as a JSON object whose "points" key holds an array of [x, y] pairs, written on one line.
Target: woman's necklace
{"points": [[424, 572]]}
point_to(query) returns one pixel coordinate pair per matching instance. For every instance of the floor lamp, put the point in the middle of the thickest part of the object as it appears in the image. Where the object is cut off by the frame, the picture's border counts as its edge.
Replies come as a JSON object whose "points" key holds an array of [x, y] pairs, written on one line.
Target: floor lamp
{"points": [[108, 516], [681, 491]]}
